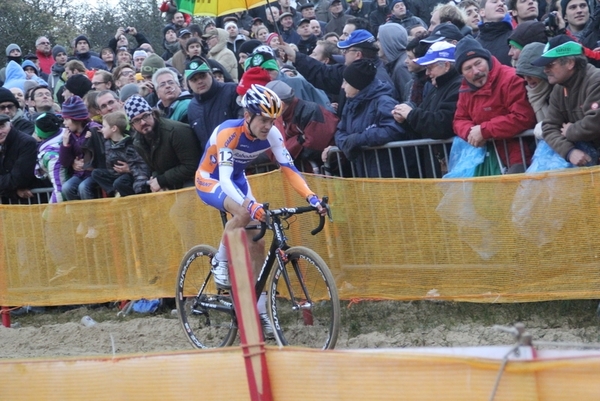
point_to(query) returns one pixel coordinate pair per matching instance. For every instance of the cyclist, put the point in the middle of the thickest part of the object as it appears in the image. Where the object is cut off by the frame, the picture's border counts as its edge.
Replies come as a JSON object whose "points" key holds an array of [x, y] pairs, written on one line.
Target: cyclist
{"points": [[221, 180]]}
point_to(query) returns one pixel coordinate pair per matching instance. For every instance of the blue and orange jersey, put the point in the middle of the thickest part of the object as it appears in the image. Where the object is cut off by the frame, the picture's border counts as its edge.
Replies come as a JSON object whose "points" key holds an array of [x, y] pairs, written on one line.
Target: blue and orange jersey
{"points": [[231, 148]]}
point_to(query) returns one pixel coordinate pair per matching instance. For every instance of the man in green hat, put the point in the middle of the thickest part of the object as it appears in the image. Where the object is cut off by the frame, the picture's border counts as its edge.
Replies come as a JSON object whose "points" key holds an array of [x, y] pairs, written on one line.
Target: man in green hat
{"points": [[573, 117]]}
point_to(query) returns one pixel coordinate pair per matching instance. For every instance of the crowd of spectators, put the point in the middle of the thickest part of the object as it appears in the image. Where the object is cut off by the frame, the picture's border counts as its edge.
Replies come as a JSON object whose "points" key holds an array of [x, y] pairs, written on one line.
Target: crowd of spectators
{"points": [[128, 118]]}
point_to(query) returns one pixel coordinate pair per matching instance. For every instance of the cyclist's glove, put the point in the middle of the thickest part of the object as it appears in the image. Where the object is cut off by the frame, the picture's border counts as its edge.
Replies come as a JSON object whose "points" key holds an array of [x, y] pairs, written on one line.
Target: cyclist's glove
{"points": [[314, 201], [257, 212]]}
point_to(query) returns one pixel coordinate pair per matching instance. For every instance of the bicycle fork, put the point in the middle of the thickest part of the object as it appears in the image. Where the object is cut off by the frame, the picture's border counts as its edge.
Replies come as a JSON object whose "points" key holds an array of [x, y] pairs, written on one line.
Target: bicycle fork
{"points": [[306, 305]]}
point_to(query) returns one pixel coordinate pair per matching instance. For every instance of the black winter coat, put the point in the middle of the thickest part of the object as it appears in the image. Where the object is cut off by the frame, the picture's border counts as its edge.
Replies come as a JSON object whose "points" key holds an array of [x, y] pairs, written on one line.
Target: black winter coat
{"points": [[18, 156]]}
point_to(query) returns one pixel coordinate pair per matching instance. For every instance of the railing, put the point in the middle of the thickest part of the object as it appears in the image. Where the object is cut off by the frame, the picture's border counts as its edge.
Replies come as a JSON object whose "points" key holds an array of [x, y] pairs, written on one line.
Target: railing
{"points": [[428, 157]]}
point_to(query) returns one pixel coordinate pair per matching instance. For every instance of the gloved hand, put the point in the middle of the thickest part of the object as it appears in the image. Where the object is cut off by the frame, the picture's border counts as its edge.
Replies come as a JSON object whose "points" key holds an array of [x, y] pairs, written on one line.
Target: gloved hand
{"points": [[257, 211], [316, 203]]}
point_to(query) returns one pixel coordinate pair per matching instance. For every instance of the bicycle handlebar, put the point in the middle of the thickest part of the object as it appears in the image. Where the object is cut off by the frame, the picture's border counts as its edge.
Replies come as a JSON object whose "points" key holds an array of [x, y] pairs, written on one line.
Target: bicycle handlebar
{"points": [[291, 211]]}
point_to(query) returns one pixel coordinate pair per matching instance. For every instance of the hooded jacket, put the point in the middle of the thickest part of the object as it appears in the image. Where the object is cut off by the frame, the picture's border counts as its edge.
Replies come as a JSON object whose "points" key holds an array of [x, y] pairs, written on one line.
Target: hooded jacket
{"points": [[408, 21], [493, 36], [178, 110], [223, 55], [91, 62], [367, 121], [575, 101], [393, 39], [18, 158], [500, 107]]}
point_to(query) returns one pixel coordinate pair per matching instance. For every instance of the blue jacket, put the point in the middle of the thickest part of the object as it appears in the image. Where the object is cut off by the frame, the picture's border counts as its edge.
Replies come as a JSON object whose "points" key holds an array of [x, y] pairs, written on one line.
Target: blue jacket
{"points": [[210, 109], [367, 121], [91, 62]]}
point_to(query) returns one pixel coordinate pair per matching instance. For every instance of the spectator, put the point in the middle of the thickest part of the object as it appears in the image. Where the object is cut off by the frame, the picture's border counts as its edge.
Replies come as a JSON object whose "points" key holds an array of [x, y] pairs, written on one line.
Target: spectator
{"points": [[119, 149], [48, 134], [356, 8], [433, 118], [138, 58], [401, 15], [471, 9], [324, 52], [77, 85], [244, 52], [423, 9], [168, 147], [443, 13], [337, 18], [495, 30], [308, 41], [492, 104], [322, 10], [307, 128], [18, 162], [170, 42], [179, 58], [272, 14], [447, 32], [379, 16], [352, 25], [538, 88], [43, 51], [525, 33], [576, 14], [262, 34], [81, 150], [173, 102], [13, 53], [285, 7], [523, 10], [124, 74], [218, 51], [32, 71], [120, 39], [103, 80], [123, 57], [42, 102], [315, 28], [108, 56], [415, 89], [367, 121], [10, 106], [82, 46], [178, 20], [213, 102], [108, 101], [234, 39], [332, 37], [288, 30], [571, 123], [20, 96], [393, 40], [147, 47]]}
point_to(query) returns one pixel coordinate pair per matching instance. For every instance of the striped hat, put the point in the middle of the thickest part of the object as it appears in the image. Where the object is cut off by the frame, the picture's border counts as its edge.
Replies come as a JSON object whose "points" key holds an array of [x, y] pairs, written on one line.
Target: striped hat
{"points": [[74, 109]]}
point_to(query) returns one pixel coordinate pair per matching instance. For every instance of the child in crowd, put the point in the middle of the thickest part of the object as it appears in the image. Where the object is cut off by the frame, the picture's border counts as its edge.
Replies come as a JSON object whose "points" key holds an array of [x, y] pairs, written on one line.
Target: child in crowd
{"points": [[119, 148], [81, 150], [48, 130]]}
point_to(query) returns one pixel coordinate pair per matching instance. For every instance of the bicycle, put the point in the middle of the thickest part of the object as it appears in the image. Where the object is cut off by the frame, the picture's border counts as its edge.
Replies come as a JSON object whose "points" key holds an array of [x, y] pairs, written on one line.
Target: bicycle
{"points": [[302, 299]]}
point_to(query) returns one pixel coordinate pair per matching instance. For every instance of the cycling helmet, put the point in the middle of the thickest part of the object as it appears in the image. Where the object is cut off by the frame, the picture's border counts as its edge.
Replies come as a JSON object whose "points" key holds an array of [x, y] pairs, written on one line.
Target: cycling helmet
{"points": [[262, 101]]}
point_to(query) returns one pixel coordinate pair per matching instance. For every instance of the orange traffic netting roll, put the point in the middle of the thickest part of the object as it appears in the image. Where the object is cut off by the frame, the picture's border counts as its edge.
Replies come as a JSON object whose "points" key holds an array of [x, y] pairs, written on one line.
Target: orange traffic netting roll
{"points": [[495, 239]]}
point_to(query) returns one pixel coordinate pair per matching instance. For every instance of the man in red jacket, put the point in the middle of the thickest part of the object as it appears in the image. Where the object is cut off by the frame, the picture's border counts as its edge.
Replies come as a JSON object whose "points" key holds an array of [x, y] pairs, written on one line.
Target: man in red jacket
{"points": [[43, 51], [492, 104]]}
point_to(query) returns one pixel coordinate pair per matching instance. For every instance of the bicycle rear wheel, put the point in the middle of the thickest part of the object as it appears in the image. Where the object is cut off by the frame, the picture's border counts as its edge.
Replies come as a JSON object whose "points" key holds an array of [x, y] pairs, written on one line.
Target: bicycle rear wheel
{"points": [[303, 301], [206, 313]]}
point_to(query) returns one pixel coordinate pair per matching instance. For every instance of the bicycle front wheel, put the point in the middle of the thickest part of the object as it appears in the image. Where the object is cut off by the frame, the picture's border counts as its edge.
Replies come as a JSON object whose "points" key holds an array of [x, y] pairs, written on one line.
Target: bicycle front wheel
{"points": [[206, 313], [303, 301]]}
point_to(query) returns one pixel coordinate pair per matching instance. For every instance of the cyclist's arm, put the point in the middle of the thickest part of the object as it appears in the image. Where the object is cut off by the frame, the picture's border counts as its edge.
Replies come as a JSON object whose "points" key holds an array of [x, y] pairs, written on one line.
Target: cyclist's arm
{"points": [[286, 163]]}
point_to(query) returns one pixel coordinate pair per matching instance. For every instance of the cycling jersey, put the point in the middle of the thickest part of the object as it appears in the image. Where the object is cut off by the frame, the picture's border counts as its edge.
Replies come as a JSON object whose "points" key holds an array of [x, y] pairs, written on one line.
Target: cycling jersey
{"points": [[229, 151]]}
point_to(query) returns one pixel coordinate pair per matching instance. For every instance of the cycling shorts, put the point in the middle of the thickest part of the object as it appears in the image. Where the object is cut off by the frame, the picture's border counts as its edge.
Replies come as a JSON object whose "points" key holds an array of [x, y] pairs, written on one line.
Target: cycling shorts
{"points": [[212, 194]]}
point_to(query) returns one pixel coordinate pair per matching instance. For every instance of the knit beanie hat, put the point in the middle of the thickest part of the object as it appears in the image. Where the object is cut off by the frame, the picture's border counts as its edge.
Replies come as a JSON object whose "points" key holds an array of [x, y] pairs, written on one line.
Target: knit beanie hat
{"points": [[47, 124], [565, 3], [82, 37], [140, 53], [12, 47], [29, 63], [271, 37], [58, 49], [152, 64], [468, 48], [528, 32], [75, 109], [7, 96], [281, 89], [78, 84], [128, 90], [262, 59], [360, 73], [393, 3], [254, 75], [248, 46], [136, 105], [528, 55]]}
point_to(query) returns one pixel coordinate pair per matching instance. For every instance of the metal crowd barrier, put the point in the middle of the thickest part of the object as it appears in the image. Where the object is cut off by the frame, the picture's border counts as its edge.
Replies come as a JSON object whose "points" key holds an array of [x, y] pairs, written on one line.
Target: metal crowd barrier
{"points": [[426, 152]]}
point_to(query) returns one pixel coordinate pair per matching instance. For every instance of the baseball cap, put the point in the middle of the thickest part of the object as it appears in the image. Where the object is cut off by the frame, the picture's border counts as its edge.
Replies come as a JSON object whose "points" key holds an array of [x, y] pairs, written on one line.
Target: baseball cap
{"points": [[333, 2], [257, 19], [183, 32], [195, 66], [358, 38], [557, 47], [439, 51], [4, 118], [445, 31], [303, 21]]}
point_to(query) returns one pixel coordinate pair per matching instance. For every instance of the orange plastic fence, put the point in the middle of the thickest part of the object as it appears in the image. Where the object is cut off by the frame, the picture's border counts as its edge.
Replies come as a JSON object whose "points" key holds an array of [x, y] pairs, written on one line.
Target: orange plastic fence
{"points": [[498, 239]]}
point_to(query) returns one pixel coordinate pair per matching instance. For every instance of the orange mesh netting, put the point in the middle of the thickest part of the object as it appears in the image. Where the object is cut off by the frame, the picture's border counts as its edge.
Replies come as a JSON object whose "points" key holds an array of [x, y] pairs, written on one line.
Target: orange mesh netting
{"points": [[499, 239]]}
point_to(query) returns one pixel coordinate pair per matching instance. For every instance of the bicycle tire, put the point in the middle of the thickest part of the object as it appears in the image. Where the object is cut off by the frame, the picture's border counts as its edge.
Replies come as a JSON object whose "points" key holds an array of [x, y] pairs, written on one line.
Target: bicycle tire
{"points": [[298, 323], [204, 326]]}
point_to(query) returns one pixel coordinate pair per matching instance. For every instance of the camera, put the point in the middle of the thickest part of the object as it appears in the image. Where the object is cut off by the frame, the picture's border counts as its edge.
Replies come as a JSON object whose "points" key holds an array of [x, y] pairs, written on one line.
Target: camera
{"points": [[127, 30], [550, 21]]}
